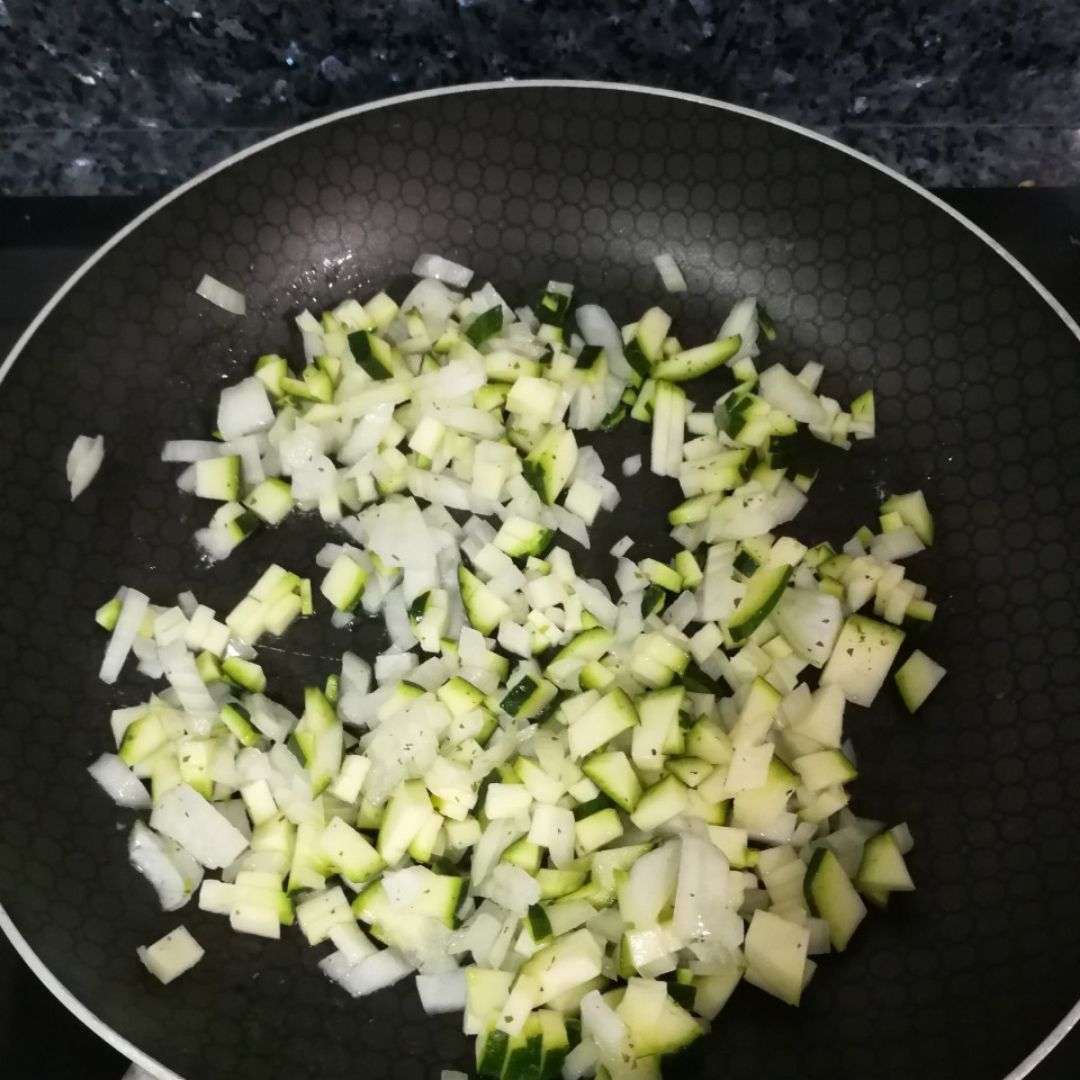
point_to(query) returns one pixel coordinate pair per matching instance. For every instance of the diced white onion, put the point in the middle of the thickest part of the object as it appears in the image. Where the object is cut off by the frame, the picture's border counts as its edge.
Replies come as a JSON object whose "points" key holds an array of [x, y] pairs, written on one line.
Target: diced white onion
{"points": [[433, 300], [681, 611], [186, 817], [188, 603], [601, 1023], [670, 274], [366, 977], [133, 609], [581, 1061], [223, 296], [119, 782], [785, 392], [189, 450], [598, 328], [174, 874], [244, 409], [570, 524], [442, 993], [742, 320], [899, 544], [444, 270], [83, 461]]}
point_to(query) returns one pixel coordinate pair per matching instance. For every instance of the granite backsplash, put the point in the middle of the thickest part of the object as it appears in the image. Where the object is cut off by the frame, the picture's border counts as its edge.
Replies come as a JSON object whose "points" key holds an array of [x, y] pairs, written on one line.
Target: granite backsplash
{"points": [[132, 96]]}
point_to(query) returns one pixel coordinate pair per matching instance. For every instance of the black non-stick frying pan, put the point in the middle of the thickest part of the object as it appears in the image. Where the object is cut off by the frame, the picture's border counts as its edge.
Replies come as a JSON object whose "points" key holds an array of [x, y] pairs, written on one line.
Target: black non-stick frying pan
{"points": [[977, 373]]}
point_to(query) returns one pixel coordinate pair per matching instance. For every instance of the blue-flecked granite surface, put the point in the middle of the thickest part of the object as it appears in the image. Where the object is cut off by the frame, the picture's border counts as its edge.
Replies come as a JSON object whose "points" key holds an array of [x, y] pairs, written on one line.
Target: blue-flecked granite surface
{"points": [[132, 96]]}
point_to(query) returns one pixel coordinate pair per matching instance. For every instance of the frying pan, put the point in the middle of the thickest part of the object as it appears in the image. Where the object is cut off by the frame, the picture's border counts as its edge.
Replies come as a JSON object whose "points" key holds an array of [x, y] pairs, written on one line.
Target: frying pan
{"points": [[977, 373]]}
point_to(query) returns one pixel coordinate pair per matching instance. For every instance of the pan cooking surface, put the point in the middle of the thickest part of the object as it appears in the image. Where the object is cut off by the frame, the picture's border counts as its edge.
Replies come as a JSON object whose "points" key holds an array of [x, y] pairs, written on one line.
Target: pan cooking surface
{"points": [[978, 389]]}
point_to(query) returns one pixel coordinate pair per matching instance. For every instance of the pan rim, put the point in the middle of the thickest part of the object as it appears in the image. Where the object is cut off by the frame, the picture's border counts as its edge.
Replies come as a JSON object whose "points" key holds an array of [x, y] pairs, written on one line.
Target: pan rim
{"points": [[20, 944]]}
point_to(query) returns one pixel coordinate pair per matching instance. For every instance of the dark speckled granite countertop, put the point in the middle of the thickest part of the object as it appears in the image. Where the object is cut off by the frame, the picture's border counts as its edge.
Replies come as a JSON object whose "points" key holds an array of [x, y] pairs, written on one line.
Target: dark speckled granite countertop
{"points": [[132, 96]]}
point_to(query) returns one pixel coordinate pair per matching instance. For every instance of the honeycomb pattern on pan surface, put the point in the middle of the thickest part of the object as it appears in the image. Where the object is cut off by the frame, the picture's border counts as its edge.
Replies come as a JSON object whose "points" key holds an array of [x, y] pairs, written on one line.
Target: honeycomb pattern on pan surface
{"points": [[978, 387]]}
